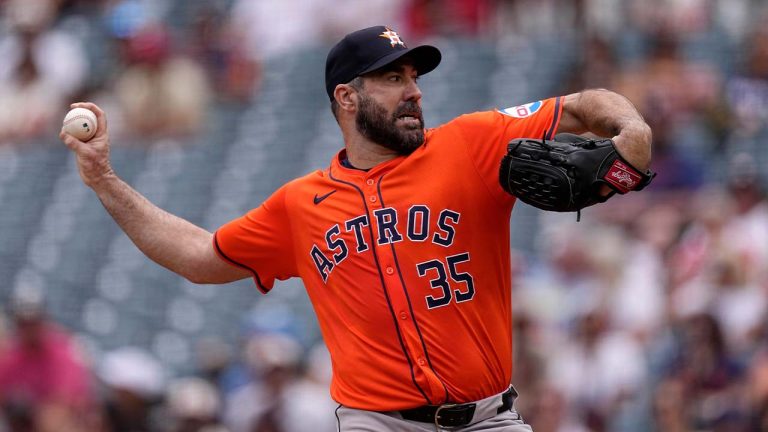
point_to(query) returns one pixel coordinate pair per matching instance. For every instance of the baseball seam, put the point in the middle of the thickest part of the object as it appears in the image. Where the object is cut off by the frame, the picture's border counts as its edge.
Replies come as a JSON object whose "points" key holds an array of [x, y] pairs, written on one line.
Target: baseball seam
{"points": [[78, 117]]}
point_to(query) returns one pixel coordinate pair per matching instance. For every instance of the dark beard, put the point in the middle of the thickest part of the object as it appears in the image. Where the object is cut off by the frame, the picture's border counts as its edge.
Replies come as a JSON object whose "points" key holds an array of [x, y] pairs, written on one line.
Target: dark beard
{"points": [[373, 123]]}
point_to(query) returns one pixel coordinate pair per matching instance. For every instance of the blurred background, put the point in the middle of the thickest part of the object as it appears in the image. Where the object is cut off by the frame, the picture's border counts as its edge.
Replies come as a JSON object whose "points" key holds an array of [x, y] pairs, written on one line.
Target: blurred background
{"points": [[648, 315]]}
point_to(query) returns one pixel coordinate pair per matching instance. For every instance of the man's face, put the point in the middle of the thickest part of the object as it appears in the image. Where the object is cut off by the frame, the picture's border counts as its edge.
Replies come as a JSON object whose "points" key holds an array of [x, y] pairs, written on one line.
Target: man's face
{"points": [[389, 109]]}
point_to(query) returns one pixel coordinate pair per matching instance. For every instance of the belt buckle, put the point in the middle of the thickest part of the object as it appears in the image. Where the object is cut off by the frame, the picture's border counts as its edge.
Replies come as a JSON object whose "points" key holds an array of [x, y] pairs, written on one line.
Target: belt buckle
{"points": [[468, 417], [437, 415]]}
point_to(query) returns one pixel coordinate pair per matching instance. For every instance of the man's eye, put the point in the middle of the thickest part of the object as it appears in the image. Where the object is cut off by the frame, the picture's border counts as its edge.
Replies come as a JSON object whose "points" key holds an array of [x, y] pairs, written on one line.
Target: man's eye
{"points": [[394, 78]]}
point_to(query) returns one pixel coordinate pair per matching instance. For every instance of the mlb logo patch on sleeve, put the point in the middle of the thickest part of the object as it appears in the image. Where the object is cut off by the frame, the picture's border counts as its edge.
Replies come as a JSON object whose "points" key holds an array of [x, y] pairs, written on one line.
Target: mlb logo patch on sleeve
{"points": [[522, 111]]}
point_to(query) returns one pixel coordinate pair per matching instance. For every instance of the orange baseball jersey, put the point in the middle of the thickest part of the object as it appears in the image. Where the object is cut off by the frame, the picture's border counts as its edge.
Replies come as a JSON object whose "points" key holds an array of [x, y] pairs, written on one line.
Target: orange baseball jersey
{"points": [[407, 264]]}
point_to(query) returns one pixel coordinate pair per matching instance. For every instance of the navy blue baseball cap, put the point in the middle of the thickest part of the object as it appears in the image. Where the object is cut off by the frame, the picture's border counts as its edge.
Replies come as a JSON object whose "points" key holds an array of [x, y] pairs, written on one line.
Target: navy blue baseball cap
{"points": [[370, 49]]}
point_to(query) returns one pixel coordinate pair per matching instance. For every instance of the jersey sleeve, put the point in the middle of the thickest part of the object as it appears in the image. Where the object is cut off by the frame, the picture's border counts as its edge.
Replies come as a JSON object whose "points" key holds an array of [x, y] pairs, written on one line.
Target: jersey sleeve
{"points": [[260, 242], [487, 134]]}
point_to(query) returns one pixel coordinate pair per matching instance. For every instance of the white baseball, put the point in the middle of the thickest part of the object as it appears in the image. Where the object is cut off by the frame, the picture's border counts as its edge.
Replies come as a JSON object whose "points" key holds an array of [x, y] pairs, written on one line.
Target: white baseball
{"points": [[80, 123]]}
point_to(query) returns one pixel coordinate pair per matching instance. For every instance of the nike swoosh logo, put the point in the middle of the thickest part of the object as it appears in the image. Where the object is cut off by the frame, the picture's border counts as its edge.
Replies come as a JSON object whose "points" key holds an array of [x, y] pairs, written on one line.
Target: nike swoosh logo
{"points": [[319, 199]]}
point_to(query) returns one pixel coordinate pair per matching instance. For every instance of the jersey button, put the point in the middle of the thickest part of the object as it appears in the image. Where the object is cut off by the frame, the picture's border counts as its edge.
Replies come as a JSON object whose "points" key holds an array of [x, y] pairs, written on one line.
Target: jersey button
{"points": [[372, 198], [403, 316], [390, 270], [370, 182], [421, 361]]}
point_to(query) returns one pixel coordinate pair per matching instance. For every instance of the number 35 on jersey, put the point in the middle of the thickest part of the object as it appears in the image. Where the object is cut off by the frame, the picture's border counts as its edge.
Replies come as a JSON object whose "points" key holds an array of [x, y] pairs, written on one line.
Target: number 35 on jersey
{"points": [[448, 281]]}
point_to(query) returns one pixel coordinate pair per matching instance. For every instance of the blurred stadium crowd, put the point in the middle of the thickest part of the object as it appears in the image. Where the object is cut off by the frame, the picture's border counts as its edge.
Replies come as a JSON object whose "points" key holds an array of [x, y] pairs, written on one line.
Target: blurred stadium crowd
{"points": [[651, 314]]}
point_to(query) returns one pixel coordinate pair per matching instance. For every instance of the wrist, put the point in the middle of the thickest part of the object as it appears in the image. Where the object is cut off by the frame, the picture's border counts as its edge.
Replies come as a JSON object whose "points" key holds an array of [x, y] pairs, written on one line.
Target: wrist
{"points": [[634, 145], [102, 180]]}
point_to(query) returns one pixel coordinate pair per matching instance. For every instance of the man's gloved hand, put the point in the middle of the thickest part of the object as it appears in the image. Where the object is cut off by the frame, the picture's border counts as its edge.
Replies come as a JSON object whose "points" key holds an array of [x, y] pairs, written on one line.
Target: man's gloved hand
{"points": [[568, 173]]}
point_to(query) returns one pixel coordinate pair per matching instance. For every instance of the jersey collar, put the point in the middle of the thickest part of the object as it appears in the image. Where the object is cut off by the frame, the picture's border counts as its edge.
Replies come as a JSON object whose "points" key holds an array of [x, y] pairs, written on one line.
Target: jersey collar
{"points": [[340, 171]]}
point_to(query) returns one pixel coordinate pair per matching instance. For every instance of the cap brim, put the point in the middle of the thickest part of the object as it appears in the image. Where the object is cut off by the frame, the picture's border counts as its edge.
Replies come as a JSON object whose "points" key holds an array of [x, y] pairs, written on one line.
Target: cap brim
{"points": [[425, 59]]}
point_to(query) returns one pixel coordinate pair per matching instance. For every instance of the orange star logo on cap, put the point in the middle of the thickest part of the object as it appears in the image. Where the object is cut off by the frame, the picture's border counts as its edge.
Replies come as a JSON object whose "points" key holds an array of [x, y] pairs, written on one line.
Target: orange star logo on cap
{"points": [[394, 38]]}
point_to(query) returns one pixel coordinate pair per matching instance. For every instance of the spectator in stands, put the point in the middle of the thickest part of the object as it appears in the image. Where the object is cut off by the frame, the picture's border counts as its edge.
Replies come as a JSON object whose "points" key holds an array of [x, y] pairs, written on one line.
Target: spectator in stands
{"points": [[160, 92], [545, 408], [309, 396], [691, 262], [261, 405], [565, 286], [747, 92], [599, 368], [133, 386], [41, 69], [235, 74], [264, 30], [705, 378], [747, 230], [282, 396], [740, 271], [597, 67], [270, 28], [677, 98], [193, 405], [738, 305], [44, 383], [214, 363], [650, 235]]}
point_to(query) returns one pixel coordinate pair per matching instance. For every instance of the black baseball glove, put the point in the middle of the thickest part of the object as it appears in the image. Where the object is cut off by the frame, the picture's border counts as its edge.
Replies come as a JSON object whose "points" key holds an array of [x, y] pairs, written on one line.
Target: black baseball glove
{"points": [[566, 174]]}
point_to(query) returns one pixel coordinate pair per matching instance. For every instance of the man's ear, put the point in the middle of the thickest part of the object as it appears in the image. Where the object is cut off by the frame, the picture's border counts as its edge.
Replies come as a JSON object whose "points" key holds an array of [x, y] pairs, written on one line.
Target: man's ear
{"points": [[346, 97]]}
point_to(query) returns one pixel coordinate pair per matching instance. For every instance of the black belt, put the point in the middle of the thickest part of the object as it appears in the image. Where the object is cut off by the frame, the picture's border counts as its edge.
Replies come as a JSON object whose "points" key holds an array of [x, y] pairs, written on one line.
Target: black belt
{"points": [[454, 415]]}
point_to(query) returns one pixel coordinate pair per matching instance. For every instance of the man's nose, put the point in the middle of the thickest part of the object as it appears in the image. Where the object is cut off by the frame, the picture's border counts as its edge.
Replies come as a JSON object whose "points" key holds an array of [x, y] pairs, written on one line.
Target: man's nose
{"points": [[412, 92]]}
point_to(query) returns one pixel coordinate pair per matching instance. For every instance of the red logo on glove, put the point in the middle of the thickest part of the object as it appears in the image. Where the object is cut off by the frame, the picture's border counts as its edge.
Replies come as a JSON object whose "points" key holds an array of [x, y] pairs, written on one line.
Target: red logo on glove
{"points": [[623, 177]]}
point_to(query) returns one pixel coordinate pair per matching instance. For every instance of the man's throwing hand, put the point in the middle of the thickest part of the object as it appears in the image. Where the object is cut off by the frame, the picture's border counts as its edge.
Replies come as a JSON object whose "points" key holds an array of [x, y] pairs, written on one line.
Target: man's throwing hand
{"points": [[92, 156]]}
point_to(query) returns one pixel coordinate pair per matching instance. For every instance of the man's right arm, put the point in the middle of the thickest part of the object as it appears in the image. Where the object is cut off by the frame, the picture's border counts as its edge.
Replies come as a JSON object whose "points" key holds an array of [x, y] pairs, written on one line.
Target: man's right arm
{"points": [[170, 241]]}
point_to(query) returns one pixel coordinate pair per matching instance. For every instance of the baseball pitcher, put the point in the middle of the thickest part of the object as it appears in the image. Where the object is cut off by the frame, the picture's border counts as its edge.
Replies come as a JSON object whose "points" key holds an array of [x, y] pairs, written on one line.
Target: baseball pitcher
{"points": [[402, 240]]}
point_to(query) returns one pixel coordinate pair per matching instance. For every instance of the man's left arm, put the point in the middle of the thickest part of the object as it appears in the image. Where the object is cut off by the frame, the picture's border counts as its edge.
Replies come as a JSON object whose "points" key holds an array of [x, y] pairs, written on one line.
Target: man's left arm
{"points": [[608, 114]]}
